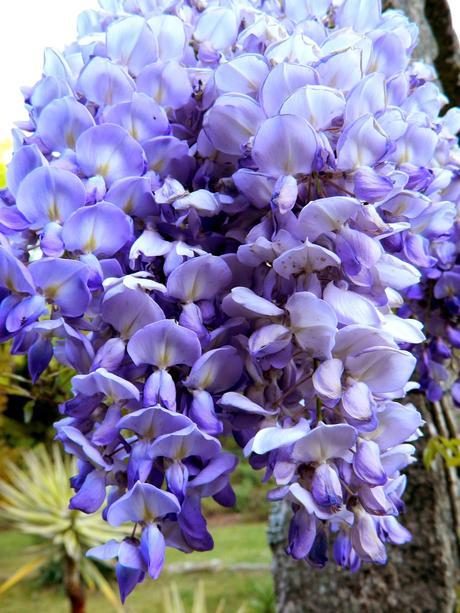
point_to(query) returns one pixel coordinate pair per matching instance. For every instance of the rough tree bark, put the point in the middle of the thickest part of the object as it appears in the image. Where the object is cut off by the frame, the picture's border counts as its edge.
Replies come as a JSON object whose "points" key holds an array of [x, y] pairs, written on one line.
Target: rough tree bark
{"points": [[423, 575]]}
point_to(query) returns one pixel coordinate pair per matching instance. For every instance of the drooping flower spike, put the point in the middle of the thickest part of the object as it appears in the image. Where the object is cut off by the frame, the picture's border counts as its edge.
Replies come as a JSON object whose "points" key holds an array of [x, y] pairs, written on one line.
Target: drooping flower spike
{"points": [[236, 220]]}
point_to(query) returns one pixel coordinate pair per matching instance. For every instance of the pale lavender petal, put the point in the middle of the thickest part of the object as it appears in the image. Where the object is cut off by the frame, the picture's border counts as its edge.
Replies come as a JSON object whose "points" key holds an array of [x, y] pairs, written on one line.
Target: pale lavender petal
{"points": [[325, 442], [397, 423], [239, 402], [368, 96], [216, 371], [109, 151], [285, 194], [61, 122], [244, 302], [269, 340], [101, 381], [416, 146], [49, 194], [375, 501], [370, 186], [170, 34], [101, 229], [383, 369], [302, 532], [153, 549], [325, 488], [365, 539], [51, 240], [268, 439], [160, 389], [132, 43], [327, 379], [63, 283], [184, 443], [367, 464], [153, 422], [283, 81], [104, 82], [144, 502], [351, 307], [217, 27], [168, 83], [361, 15], [320, 106], [363, 143], [285, 145], [244, 74], [129, 310], [142, 117], [200, 278], [313, 323], [305, 259], [133, 195], [203, 201], [357, 403], [167, 155], [163, 344], [389, 55], [232, 121], [326, 215], [14, 276], [25, 160]]}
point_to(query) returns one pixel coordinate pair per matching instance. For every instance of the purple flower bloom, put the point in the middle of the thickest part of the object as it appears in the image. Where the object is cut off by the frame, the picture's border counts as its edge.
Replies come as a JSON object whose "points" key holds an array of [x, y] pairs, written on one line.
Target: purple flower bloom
{"points": [[236, 220]]}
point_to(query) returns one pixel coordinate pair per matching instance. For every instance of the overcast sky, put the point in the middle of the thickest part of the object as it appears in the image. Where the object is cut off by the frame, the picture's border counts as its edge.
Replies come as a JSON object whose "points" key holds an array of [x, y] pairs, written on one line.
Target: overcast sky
{"points": [[27, 26]]}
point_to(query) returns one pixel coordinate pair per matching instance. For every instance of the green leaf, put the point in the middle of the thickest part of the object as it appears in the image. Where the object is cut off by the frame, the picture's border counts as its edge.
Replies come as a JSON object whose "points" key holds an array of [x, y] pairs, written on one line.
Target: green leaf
{"points": [[28, 410], [447, 448]]}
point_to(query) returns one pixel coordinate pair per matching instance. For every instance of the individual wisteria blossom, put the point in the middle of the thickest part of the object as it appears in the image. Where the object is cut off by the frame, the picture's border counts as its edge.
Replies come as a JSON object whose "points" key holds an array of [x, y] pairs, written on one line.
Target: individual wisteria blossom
{"points": [[237, 219]]}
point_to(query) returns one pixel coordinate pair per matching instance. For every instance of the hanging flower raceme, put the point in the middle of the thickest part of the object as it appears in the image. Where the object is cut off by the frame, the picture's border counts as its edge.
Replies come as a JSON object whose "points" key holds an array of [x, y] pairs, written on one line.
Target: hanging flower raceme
{"points": [[227, 218]]}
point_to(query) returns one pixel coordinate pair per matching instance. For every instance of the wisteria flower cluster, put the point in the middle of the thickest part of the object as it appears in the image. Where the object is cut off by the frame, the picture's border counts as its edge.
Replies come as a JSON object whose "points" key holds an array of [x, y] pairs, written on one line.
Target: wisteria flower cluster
{"points": [[225, 217]]}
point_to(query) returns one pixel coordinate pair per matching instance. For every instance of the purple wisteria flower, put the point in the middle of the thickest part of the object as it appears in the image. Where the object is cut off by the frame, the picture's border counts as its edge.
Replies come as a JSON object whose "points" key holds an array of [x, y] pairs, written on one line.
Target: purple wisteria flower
{"points": [[236, 219]]}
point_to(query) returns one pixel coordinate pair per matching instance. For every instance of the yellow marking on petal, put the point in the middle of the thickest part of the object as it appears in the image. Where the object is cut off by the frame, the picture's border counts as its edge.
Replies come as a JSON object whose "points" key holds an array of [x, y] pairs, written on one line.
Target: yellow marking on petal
{"points": [[70, 140], [129, 206], [180, 451], [164, 359], [51, 291], [207, 380], [158, 167], [90, 244], [53, 211], [103, 169]]}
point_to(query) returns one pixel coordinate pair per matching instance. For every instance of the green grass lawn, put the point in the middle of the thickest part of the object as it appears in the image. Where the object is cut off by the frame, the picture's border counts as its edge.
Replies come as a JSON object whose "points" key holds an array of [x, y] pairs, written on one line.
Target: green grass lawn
{"points": [[233, 544]]}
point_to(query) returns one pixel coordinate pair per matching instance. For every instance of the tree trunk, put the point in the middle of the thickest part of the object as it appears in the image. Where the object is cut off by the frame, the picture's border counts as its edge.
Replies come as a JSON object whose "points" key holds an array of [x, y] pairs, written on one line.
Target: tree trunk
{"points": [[438, 42], [73, 586], [421, 576]]}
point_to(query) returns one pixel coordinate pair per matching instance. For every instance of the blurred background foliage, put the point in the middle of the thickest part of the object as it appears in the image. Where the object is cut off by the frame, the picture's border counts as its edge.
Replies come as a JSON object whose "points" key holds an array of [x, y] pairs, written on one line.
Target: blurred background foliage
{"points": [[4, 152]]}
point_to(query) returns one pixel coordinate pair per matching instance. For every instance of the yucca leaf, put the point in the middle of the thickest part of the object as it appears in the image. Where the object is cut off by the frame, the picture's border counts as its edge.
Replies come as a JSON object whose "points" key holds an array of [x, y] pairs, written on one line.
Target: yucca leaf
{"points": [[22, 573], [34, 499], [102, 584], [199, 602]]}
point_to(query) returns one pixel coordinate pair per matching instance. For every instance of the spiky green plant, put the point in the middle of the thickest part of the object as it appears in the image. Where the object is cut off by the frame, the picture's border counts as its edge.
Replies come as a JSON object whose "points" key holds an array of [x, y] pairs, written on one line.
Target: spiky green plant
{"points": [[173, 603], [34, 499]]}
